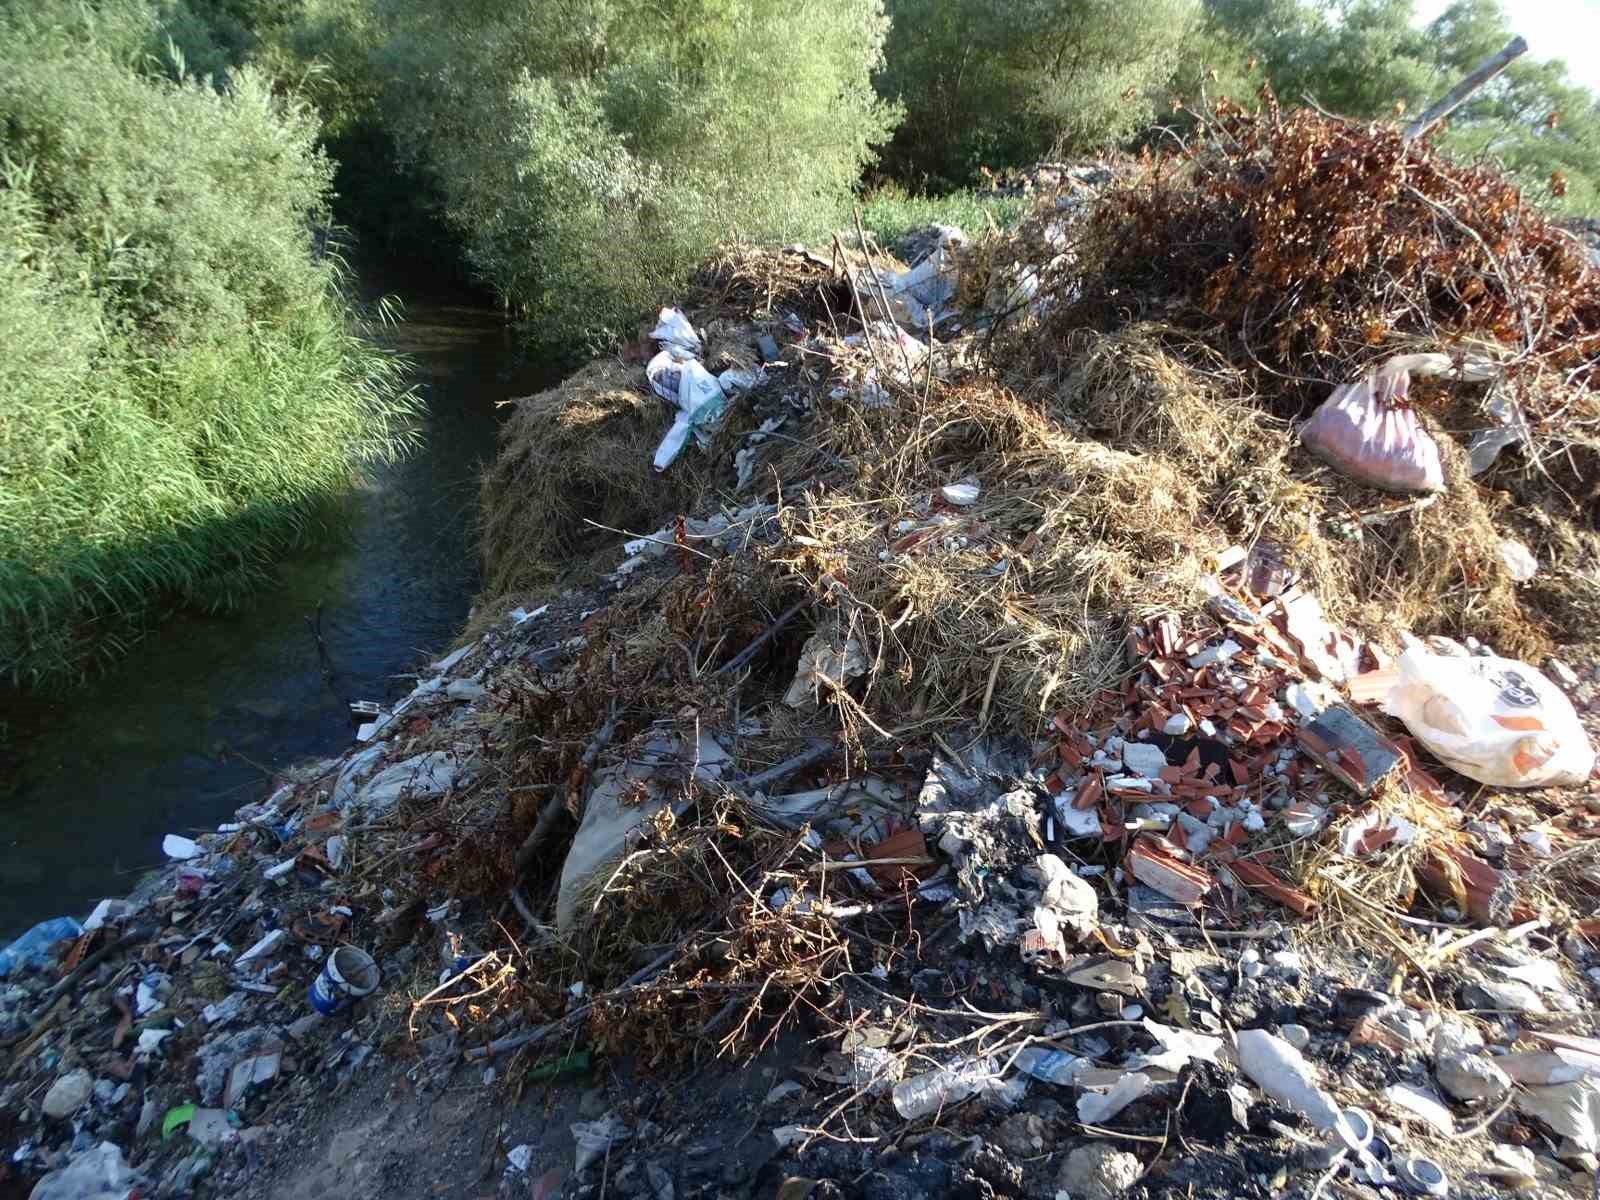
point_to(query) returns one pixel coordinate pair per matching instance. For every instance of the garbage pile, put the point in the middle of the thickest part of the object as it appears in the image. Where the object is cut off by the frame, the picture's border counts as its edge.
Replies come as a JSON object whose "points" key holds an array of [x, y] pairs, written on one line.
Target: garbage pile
{"points": [[156, 1046], [1122, 794]]}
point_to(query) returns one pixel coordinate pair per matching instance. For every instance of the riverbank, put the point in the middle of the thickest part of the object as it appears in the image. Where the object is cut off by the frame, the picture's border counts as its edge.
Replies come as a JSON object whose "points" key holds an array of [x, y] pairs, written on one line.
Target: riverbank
{"points": [[177, 735]]}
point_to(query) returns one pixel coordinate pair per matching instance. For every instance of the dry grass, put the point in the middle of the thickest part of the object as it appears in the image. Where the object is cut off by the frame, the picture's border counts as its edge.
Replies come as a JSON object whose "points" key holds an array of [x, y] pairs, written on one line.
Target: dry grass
{"points": [[1029, 585], [756, 283], [580, 455], [1378, 563], [1106, 481]]}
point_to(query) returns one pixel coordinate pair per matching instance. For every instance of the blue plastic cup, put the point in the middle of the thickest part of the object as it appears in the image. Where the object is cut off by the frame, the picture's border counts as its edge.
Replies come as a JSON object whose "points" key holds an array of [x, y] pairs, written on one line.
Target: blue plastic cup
{"points": [[348, 975]]}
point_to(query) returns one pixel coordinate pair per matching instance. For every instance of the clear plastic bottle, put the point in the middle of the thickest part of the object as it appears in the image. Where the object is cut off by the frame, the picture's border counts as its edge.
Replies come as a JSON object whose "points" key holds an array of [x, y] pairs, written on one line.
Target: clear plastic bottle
{"points": [[924, 1094], [1051, 1066]]}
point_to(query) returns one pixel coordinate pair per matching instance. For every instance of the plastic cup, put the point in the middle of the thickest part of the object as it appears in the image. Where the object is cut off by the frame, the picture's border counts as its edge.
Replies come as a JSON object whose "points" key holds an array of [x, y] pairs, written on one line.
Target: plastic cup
{"points": [[348, 975]]}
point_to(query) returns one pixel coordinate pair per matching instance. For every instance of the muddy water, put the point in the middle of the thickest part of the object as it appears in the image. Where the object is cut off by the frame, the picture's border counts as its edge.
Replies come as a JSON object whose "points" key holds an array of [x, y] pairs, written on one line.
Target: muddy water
{"points": [[185, 729]]}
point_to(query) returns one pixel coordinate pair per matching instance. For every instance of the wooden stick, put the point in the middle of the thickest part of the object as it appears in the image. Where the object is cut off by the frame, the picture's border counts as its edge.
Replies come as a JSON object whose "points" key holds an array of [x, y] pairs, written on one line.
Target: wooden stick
{"points": [[545, 827], [516, 1041], [1458, 95], [754, 648], [837, 865], [806, 758]]}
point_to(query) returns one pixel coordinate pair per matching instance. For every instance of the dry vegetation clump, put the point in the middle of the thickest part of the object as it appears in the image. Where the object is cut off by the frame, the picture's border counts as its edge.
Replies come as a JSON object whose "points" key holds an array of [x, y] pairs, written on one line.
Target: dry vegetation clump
{"points": [[577, 457], [1013, 604], [756, 283], [1203, 303], [706, 885], [1307, 245]]}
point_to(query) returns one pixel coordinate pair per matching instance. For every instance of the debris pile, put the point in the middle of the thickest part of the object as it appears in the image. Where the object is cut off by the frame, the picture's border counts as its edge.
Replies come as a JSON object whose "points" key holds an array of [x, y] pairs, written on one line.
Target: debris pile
{"points": [[1005, 695]]}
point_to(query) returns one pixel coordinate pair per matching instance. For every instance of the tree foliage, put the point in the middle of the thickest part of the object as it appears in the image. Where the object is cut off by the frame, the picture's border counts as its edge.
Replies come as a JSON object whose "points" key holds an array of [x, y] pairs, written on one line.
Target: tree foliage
{"points": [[998, 83], [590, 151], [180, 388]]}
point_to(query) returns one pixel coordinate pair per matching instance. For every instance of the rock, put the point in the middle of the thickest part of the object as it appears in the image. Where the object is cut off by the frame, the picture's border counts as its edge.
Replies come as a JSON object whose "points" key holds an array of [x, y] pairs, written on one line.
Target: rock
{"points": [[68, 1094], [1297, 1036], [1021, 1135], [1509, 995], [1472, 1077], [1455, 1037], [1144, 759], [1098, 1172]]}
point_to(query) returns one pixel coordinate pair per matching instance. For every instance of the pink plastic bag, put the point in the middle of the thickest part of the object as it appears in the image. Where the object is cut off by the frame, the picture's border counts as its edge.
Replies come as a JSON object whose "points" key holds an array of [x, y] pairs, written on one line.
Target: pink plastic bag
{"points": [[1368, 431]]}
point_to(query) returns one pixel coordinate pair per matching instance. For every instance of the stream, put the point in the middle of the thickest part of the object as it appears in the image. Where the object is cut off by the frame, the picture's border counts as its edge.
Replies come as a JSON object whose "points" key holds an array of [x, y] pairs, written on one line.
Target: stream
{"points": [[187, 727]]}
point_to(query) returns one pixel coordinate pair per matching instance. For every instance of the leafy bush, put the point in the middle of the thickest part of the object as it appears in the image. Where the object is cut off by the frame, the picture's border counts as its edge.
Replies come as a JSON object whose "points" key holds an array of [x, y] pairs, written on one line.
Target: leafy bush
{"points": [[181, 391], [997, 83], [590, 154]]}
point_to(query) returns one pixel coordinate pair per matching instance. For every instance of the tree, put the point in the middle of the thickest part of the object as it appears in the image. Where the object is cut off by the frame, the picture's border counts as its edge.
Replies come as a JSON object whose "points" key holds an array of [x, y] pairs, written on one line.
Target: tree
{"points": [[1542, 127], [591, 151], [1001, 83]]}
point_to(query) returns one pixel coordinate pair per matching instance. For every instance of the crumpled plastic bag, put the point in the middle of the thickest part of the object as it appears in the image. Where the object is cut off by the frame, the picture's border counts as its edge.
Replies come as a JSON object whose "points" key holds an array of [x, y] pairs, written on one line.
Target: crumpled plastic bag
{"points": [[1367, 431], [824, 658], [699, 398], [1495, 720], [674, 332], [97, 1174], [36, 948], [595, 1138]]}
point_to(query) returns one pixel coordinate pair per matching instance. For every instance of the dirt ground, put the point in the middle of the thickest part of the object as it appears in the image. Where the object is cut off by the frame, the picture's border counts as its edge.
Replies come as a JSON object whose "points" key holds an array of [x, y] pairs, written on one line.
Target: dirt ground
{"points": [[386, 1137]]}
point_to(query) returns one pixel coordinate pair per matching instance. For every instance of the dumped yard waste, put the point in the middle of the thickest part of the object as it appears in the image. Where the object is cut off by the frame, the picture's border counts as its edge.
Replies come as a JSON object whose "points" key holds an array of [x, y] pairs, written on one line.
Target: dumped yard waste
{"points": [[1119, 792]]}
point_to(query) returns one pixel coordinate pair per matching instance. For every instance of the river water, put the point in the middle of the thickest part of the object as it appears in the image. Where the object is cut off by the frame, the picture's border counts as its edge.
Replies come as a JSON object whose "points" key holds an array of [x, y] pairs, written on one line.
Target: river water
{"points": [[185, 728]]}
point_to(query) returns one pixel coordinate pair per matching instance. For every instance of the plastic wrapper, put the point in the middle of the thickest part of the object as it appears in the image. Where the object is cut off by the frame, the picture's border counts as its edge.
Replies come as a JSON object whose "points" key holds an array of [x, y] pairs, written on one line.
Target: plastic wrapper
{"points": [[1369, 432], [1495, 720], [675, 333], [36, 948], [696, 393], [96, 1174]]}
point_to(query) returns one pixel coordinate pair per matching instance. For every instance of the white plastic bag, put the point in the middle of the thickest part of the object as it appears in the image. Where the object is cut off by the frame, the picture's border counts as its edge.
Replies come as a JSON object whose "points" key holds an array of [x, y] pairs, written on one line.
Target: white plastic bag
{"points": [[1495, 720], [96, 1174], [1368, 431], [699, 398], [674, 332]]}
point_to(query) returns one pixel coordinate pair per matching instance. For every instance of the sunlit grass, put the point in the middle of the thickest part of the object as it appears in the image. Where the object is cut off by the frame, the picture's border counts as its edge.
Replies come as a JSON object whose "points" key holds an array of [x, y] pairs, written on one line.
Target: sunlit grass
{"points": [[889, 213]]}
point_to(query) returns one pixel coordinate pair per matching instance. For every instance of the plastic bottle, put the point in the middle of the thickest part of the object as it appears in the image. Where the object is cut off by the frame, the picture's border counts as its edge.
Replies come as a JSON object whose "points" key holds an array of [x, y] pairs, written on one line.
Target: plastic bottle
{"points": [[924, 1094], [1051, 1066]]}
